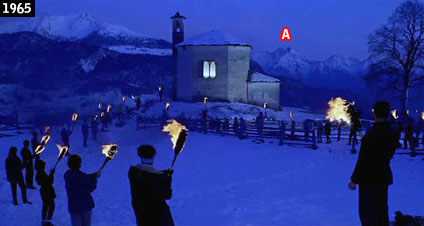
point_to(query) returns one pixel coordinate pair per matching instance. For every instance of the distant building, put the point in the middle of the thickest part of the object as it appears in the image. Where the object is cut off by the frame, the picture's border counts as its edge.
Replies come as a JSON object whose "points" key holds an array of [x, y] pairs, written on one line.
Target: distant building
{"points": [[216, 65]]}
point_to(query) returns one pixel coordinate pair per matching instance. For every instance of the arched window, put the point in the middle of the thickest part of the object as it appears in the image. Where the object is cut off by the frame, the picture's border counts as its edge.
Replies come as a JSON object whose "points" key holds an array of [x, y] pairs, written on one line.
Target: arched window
{"points": [[209, 69]]}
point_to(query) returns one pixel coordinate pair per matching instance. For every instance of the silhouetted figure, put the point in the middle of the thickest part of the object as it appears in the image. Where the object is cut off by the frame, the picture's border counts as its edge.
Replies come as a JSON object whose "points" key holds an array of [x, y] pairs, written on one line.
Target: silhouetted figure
{"points": [[327, 132], [47, 192], [160, 93], [79, 187], [320, 131], [339, 130], [85, 132], [15, 177], [34, 144], [372, 171], [150, 188], [306, 129], [28, 162], [104, 121], [259, 123], [242, 128], [164, 116], [65, 134], [236, 126], [138, 103], [226, 126], [94, 128], [353, 135]]}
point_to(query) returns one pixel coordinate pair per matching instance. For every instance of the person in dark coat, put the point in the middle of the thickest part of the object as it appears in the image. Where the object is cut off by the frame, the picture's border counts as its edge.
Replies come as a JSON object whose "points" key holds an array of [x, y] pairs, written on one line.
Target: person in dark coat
{"points": [[327, 132], [372, 171], [79, 187], [306, 129], [85, 132], [353, 134], [94, 127], [150, 188], [65, 134], [293, 130], [47, 192], [14, 174], [409, 134], [28, 162], [259, 123]]}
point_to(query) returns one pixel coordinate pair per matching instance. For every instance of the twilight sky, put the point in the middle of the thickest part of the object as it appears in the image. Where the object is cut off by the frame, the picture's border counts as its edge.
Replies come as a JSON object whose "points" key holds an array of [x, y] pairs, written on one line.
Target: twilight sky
{"points": [[319, 28]]}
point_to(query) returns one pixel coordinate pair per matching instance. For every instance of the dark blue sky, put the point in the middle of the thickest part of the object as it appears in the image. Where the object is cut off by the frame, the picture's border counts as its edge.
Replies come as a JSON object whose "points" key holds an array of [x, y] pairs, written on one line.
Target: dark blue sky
{"points": [[320, 28]]}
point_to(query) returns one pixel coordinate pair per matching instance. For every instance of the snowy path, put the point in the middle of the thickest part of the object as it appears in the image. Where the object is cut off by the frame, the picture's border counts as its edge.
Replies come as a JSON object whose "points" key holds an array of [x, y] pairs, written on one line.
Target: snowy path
{"points": [[221, 181]]}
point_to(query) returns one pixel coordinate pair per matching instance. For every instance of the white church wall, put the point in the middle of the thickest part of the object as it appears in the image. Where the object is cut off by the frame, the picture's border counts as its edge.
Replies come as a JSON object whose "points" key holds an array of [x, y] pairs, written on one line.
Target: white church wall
{"points": [[238, 69], [264, 92]]}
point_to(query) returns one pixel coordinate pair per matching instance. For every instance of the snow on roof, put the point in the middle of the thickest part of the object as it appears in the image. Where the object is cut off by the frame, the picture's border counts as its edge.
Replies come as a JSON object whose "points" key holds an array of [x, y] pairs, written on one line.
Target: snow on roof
{"points": [[258, 77], [212, 38]]}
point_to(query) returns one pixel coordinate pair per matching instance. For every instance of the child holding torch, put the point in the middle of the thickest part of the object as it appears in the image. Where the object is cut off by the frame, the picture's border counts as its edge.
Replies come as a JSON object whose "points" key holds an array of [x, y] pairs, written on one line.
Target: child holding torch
{"points": [[150, 188]]}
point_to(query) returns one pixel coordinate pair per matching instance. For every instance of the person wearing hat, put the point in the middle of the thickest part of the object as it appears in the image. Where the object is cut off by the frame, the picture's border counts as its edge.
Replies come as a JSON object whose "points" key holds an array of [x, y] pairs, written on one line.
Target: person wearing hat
{"points": [[150, 188], [79, 187]]}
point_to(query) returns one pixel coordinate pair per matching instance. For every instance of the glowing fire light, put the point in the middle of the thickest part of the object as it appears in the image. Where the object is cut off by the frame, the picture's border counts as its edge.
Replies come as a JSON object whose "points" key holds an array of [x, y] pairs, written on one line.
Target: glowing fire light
{"points": [[95, 117], [102, 114], [205, 100], [265, 105], [422, 115], [160, 88], [338, 110], [110, 150], [124, 98], [168, 105], [74, 117], [109, 107], [47, 130], [133, 97], [100, 106], [40, 148], [395, 114], [62, 150], [174, 129], [45, 139], [292, 115]]}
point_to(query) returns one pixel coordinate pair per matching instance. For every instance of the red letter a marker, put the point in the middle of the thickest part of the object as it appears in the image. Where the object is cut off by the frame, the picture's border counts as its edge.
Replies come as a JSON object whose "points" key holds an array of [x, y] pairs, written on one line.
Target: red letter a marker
{"points": [[285, 35]]}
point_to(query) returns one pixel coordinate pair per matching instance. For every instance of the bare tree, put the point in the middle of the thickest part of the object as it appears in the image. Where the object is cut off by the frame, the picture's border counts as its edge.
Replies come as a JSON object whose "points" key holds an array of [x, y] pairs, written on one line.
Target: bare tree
{"points": [[397, 51]]}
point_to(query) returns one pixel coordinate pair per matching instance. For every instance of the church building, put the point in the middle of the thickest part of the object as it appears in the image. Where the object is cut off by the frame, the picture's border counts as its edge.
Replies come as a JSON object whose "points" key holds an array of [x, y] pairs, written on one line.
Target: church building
{"points": [[217, 66]]}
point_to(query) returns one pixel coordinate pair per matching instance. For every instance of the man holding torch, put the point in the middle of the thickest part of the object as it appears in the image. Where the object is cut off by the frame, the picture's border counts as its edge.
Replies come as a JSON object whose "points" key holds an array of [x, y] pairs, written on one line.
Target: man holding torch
{"points": [[150, 188], [372, 171]]}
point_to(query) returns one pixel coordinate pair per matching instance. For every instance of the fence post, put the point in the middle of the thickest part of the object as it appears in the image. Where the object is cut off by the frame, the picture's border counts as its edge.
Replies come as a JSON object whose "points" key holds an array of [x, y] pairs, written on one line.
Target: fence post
{"points": [[314, 141]]}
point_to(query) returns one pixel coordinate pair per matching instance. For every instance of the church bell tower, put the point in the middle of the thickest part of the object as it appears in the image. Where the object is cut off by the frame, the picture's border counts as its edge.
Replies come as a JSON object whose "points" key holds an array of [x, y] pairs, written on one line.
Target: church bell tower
{"points": [[177, 37]]}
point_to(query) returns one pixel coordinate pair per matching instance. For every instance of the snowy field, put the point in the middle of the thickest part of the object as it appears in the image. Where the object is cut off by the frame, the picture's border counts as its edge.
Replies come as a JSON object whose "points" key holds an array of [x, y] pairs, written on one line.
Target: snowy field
{"points": [[220, 181]]}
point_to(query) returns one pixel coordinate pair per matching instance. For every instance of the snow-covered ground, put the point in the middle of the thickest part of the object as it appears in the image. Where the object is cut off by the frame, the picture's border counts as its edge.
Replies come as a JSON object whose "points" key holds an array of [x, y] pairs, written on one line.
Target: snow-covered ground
{"points": [[220, 181]]}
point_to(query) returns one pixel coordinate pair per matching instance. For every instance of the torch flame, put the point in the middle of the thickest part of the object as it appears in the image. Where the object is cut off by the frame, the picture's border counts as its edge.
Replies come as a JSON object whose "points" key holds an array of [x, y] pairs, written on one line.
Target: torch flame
{"points": [[338, 110], [95, 117], [174, 129], [109, 107], [265, 105], [133, 97], [102, 114], [62, 150], [40, 148], [422, 115], [205, 100], [168, 105], [160, 88], [292, 115], [395, 114], [110, 150], [74, 117], [100, 106], [47, 130], [124, 98], [45, 139]]}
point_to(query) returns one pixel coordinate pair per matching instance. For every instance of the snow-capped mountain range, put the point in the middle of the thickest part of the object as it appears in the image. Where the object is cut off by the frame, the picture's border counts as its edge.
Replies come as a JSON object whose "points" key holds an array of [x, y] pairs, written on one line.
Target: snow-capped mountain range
{"points": [[84, 28], [287, 62]]}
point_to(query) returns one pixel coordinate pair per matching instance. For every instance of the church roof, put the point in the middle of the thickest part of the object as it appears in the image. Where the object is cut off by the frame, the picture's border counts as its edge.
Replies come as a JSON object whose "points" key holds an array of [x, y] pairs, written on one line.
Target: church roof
{"points": [[178, 15], [259, 77], [212, 38]]}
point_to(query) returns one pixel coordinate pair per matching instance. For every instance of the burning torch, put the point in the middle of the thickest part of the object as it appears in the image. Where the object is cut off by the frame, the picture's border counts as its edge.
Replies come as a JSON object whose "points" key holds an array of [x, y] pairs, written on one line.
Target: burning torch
{"points": [[292, 115], [109, 107], [40, 148], [110, 151], [395, 114], [63, 150], [124, 98], [178, 134], [100, 106], [167, 106]]}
